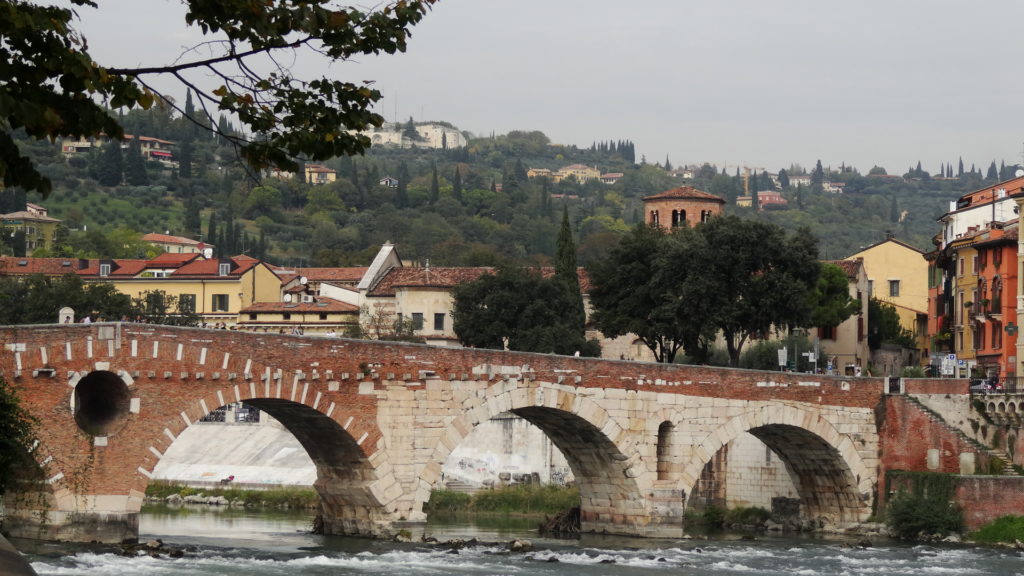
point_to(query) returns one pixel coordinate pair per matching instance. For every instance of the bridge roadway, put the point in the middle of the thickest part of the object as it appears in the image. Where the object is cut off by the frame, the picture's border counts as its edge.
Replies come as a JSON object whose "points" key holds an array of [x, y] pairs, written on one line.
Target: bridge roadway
{"points": [[380, 418]]}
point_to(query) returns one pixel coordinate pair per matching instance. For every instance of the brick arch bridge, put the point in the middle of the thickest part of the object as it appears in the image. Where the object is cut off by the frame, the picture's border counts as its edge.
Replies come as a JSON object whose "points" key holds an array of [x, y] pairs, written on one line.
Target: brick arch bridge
{"points": [[379, 419]]}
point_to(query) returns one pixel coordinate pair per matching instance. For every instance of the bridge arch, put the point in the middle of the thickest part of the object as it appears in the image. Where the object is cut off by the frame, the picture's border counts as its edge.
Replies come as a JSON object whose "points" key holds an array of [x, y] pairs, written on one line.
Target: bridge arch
{"points": [[605, 464], [833, 482]]}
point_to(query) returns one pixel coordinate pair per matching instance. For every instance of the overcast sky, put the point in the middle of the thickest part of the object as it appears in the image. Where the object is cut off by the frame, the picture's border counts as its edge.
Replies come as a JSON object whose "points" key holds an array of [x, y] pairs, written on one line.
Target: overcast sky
{"points": [[754, 82]]}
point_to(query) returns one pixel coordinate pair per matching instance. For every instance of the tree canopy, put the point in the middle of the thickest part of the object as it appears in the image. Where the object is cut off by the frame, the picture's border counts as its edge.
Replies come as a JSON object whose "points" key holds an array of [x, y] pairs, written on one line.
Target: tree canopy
{"points": [[742, 278], [50, 86], [518, 309]]}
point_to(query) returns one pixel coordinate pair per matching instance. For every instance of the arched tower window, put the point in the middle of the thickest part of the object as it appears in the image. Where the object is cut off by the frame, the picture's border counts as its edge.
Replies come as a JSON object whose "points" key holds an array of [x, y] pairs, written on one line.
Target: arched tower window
{"points": [[665, 431]]}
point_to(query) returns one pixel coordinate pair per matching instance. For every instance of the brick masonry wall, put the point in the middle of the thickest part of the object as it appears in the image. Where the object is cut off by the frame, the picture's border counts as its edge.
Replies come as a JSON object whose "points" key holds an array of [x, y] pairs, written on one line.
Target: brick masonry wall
{"points": [[985, 498], [907, 434], [935, 386], [397, 410]]}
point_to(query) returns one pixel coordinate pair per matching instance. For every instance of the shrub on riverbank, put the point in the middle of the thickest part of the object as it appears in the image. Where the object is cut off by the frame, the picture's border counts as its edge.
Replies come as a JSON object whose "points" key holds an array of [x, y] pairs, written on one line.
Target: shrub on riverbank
{"points": [[286, 497], [715, 518], [924, 508], [523, 499], [1008, 529]]}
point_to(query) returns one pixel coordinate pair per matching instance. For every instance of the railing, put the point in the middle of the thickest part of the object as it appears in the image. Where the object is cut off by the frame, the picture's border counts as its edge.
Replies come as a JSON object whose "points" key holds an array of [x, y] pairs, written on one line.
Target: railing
{"points": [[998, 385]]}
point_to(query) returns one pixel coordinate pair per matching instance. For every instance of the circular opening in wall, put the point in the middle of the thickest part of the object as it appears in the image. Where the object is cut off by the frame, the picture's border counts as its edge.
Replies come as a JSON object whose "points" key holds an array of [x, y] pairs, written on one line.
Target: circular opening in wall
{"points": [[101, 401]]}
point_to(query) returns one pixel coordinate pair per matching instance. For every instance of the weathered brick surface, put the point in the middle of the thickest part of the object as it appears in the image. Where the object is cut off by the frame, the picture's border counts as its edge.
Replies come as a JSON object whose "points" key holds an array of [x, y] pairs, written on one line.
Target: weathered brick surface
{"points": [[906, 436], [935, 386], [378, 418]]}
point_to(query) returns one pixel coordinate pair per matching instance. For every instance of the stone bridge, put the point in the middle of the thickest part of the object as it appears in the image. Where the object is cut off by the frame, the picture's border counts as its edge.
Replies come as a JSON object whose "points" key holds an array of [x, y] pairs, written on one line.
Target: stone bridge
{"points": [[379, 419]]}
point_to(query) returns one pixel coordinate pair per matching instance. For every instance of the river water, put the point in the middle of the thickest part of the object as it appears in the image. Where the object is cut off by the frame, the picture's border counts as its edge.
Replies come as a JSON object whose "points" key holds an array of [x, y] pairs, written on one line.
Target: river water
{"points": [[229, 542]]}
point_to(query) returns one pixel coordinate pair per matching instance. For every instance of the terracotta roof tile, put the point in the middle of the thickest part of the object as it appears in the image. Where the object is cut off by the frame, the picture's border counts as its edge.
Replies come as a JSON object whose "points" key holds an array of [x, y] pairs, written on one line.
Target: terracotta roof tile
{"points": [[850, 267], [168, 239], [449, 278], [13, 266], [687, 192]]}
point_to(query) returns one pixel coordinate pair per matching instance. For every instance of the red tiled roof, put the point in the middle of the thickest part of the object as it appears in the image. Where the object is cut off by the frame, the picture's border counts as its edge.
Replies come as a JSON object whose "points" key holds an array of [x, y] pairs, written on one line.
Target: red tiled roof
{"points": [[350, 274], [449, 278], [687, 192], [13, 266], [168, 239], [207, 268], [169, 260], [850, 267], [26, 215], [321, 305], [426, 278]]}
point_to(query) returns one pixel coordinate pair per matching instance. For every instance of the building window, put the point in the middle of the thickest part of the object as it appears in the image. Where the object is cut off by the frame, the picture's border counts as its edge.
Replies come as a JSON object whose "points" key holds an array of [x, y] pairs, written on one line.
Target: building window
{"points": [[252, 316], [871, 288], [961, 265], [979, 337], [827, 332], [219, 302], [187, 303], [995, 305], [224, 269], [894, 288], [417, 320], [974, 264], [104, 269], [439, 321], [286, 316], [323, 316], [860, 328], [997, 335]]}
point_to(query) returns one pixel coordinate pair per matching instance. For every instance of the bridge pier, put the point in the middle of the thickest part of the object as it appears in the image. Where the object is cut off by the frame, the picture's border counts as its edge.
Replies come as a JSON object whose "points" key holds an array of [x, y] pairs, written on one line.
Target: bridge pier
{"points": [[109, 519]]}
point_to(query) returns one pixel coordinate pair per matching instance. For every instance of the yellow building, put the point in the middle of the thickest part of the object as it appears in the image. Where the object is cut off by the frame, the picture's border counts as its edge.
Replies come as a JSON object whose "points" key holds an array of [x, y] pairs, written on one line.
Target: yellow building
{"points": [[318, 174], [580, 172], [216, 289], [316, 315], [898, 274], [40, 229]]}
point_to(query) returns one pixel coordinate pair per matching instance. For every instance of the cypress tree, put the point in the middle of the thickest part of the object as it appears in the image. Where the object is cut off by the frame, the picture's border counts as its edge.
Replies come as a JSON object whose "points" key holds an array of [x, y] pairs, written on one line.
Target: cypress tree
{"points": [[457, 185], [565, 272], [110, 168], [960, 170], [211, 233], [435, 187], [402, 194], [135, 169]]}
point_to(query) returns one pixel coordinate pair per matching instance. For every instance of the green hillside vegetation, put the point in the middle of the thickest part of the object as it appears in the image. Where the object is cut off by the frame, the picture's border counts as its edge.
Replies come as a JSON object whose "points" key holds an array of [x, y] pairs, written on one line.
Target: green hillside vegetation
{"points": [[460, 207]]}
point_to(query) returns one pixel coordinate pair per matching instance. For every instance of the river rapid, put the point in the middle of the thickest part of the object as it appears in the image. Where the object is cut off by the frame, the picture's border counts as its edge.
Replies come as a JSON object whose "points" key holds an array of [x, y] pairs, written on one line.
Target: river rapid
{"points": [[258, 543]]}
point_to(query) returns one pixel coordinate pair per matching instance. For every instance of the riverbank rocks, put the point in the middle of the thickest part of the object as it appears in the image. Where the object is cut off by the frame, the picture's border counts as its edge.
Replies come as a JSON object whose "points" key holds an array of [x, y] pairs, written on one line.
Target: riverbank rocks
{"points": [[520, 546]]}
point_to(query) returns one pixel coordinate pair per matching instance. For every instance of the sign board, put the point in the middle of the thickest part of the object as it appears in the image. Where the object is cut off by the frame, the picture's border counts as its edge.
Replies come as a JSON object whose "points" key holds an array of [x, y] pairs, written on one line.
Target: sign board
{"points": [[783, 355]]}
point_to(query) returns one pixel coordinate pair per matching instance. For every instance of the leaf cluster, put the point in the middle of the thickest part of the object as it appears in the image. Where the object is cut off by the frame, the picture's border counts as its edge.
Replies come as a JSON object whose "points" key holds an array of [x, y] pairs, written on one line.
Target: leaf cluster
{"points": [[51, 87]]}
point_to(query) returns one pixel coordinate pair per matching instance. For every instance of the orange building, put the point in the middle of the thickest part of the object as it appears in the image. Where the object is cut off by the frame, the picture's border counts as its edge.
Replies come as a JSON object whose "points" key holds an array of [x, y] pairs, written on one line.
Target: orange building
{"points": [[681, 206]]}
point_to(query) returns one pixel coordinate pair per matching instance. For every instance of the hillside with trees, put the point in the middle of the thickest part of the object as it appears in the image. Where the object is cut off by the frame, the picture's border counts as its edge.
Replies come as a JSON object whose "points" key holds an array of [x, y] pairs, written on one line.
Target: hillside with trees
{"points": [[473, 205]]}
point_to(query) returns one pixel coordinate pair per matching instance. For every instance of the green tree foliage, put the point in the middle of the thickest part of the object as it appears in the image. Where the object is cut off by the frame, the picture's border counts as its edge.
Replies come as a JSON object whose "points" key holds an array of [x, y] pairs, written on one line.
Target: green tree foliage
{"points": [[158, 307], [566, 273], [629, 296], [38, 299], [885, 326], [741, 277], [135, 165], [17, 433], [517, 309], [833, 303], [926, 508], [50, 86], [110, 164]]}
